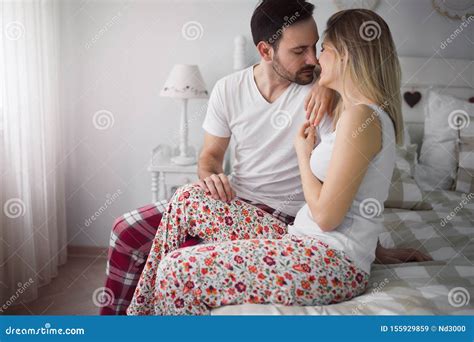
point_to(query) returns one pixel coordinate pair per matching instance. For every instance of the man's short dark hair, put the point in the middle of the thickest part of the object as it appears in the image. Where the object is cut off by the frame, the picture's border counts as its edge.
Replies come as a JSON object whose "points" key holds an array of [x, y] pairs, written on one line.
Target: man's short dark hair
{"points": [[272, 16]]}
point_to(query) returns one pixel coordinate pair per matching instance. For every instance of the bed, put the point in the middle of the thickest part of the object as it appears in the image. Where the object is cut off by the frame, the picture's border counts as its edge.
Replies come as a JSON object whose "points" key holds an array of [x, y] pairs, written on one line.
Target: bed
{"points": [[440, 287]]}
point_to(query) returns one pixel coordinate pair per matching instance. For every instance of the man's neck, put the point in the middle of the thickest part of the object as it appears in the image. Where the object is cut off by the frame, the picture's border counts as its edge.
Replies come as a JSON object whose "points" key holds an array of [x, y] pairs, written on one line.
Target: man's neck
{"points": [[268, 82]]}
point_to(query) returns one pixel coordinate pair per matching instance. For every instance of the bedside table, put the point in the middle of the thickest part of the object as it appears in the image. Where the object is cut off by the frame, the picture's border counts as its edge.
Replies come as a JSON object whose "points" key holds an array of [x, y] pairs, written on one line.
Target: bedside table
{"points": [[167, 177]]}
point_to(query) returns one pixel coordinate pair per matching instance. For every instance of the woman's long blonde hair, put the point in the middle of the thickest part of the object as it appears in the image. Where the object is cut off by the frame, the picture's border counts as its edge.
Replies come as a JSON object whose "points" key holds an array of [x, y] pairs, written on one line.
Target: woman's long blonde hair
{"points": [[364, 38]]}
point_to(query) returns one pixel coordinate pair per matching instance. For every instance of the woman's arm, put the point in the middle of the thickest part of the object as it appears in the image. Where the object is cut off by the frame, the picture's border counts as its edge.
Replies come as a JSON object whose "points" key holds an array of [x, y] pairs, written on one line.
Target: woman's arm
{"points": [[352, 153]]}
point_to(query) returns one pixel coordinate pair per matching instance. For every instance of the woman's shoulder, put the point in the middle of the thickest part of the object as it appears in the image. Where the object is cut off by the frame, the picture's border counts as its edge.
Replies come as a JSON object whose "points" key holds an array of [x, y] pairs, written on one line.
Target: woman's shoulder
{"points": [[361, 117], [361, 123]]}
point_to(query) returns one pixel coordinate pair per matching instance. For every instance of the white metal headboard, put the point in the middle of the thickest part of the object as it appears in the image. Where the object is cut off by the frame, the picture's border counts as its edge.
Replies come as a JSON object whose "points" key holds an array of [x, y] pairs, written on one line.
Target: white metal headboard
{"points": [[451, 76]]}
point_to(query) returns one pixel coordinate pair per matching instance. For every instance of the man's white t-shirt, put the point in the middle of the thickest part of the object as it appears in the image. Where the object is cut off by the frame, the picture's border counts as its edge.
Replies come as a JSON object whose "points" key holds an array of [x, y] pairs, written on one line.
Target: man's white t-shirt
{"points": [[265, 166]]}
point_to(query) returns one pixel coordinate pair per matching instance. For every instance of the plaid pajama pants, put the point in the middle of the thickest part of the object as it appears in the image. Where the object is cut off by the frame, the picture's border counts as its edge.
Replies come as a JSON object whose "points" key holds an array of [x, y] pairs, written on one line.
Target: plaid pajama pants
{"points": [[130, 243]]}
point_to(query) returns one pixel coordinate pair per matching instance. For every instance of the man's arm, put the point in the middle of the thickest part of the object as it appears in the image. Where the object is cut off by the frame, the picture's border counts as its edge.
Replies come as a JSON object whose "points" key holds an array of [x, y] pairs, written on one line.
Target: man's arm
{"points": [[210, 170]]}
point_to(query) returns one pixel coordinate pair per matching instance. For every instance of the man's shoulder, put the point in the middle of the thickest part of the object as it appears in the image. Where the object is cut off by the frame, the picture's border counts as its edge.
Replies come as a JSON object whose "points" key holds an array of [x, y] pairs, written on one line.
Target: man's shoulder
{"points": [[234, 80]]}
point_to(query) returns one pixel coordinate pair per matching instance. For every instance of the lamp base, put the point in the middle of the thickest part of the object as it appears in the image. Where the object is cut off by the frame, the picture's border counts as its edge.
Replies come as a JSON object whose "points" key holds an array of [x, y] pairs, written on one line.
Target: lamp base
{"points": [[183, 160]]}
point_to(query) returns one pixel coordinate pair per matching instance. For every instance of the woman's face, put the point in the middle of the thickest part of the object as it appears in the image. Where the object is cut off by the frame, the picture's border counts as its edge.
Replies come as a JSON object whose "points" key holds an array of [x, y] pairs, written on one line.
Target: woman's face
{"points": [[330, 66]]}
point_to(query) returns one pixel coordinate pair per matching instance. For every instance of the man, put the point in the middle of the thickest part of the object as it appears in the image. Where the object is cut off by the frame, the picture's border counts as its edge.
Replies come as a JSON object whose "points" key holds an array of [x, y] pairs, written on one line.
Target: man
{"points": [[262, 108]]}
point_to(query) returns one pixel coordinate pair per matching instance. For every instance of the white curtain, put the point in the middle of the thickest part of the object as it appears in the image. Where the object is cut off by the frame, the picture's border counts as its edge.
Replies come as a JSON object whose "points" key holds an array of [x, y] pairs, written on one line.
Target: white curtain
{"points": [[32, 216]]}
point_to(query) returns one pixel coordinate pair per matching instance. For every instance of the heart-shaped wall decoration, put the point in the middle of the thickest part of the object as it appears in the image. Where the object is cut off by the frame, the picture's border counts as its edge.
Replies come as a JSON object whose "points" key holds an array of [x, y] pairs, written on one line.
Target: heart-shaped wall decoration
{"points": [[412, 98]]}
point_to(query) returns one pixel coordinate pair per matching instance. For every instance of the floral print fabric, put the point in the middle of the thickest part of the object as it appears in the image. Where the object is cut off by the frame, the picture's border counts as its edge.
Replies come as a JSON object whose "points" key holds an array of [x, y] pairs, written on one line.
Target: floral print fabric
{"points": [[248, 258]]}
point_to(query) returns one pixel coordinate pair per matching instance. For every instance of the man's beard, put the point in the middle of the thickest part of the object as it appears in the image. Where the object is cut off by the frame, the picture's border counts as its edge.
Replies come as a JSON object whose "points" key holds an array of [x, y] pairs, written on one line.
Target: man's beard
{"points": [[300, 77]]}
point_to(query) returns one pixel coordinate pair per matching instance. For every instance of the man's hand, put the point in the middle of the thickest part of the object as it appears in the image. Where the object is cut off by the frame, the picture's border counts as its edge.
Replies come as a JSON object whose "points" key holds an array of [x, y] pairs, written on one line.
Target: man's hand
{"points": [[218, 186], [211, 174], [318, 102], [399, 255]]}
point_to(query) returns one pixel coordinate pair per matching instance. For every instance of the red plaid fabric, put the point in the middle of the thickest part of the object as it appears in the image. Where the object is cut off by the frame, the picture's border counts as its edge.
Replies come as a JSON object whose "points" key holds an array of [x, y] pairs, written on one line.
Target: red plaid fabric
{"points": [[130, 242]]}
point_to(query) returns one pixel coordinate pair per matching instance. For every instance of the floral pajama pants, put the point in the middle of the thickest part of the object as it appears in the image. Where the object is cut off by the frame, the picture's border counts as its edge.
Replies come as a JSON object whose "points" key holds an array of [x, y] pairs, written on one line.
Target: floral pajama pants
{"points": [[248, 258]]}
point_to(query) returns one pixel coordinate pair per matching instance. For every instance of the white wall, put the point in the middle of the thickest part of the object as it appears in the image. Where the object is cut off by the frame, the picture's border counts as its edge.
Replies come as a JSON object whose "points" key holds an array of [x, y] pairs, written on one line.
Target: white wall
{"points": [[116, 56]]}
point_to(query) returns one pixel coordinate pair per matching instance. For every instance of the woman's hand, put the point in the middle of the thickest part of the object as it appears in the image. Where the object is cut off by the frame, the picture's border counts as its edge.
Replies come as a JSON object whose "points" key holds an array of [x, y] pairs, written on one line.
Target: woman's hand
{"points": [[399, 255], [318, 102], [305, 140]]}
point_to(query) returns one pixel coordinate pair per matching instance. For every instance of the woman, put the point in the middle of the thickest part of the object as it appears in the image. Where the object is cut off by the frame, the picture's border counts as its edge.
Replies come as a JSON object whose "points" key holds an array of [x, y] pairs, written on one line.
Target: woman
{"points": [[326, 255]]}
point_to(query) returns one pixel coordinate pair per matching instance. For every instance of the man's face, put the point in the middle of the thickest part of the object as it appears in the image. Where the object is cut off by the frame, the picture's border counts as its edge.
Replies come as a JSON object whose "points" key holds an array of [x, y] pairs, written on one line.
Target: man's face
{"points": [[295, 58]]}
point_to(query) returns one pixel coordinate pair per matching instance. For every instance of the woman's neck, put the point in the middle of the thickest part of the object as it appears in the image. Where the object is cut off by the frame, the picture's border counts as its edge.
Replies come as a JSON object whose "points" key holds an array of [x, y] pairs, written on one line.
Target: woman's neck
{"points": [[351, 97]]}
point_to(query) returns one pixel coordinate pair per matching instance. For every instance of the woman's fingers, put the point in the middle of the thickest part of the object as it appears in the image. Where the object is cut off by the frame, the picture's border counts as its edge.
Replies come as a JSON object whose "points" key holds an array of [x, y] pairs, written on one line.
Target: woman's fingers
{"points": [[323, 108], [311, 133], [428, 257], [309, 108], [306, 101], [411, 254], [302, 131], [402, 255], [314, 111], [423, 257], [388, 260], [394, 256]]}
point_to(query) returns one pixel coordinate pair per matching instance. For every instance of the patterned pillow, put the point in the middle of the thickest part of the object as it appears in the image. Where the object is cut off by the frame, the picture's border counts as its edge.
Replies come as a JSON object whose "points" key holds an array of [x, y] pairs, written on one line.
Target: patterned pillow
{"points": [[465, 174], [404, 192]]}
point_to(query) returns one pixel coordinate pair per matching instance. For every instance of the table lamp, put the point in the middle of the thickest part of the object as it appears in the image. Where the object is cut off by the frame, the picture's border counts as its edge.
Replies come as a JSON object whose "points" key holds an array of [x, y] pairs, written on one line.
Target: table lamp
{"points": [[184, 82]]}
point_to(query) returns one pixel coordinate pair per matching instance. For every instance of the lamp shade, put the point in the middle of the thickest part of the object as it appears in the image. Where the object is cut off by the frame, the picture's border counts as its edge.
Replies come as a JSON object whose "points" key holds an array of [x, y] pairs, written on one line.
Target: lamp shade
{"points": [[185, 82]]}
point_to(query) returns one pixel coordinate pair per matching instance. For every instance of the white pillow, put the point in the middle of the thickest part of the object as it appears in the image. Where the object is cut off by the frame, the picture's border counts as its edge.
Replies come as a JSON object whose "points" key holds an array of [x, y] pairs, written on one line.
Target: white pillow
{"points": [[438, 158]]}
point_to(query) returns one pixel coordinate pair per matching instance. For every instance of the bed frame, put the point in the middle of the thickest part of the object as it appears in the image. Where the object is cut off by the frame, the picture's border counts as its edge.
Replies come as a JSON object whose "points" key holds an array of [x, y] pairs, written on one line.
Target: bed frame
{"points": [[419, 74]]}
